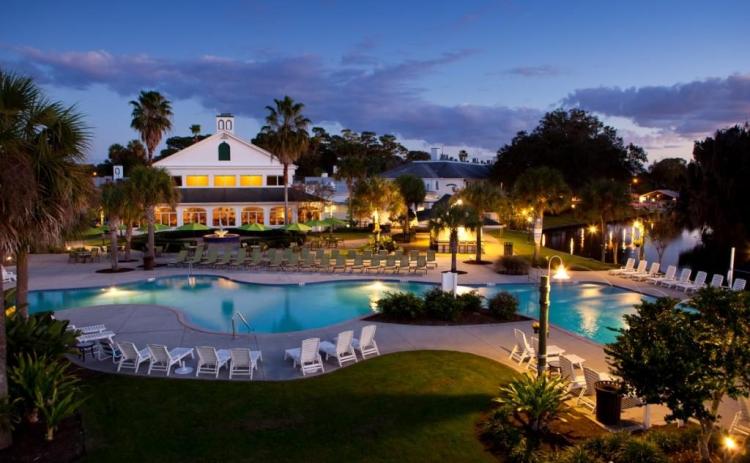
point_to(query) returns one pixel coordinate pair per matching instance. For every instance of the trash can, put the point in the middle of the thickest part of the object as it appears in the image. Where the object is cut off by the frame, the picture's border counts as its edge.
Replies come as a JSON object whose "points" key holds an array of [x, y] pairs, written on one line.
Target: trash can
{"points": [[608, 402], [508, 248]]}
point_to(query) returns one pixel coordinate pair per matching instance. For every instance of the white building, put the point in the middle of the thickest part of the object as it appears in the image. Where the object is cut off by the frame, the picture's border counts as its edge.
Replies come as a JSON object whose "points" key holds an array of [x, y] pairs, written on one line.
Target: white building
{"points": [[225, 180]]}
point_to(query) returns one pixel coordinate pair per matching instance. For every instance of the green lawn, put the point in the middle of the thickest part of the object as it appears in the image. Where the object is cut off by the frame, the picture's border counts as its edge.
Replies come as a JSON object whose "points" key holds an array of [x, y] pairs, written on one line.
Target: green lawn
{"points": [[406, 407], [524, 248]]}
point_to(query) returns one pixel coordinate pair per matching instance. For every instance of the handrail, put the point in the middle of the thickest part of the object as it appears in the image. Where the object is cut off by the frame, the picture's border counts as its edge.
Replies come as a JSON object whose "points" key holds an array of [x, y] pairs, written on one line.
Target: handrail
{"points": [[234, 324]]}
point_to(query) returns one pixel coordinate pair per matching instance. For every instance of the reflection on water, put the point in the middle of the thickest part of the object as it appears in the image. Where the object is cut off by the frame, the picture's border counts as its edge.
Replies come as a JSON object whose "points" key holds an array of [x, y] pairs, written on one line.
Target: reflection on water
{"points": [[210, 302]]}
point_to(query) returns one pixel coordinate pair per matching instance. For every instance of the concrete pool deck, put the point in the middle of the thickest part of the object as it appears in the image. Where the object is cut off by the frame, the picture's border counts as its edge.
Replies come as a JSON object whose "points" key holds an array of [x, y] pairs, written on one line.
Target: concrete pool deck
{"points": [[143, 324]]}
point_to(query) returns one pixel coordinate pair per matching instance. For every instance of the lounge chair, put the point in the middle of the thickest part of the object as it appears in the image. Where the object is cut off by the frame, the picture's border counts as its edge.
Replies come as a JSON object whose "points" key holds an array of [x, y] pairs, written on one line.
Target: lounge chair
{"points": [[224, 260], [421, 265], [366, 344], [130, 356], [652, 271], [307, 356], [107, 349], [340, 263], [698, 283], [741, 422], [341, 348], [256, 260], [275, 262], [292, 263], [239, 259], [211, 256], [413, 255], [567, 372], [87, 329], [210, 360], [629, 267], [739, 284], [521, 350], [359, 264], [243, 362], [669, 276], [308, 263], [180, 259], [96, 336], [587, 398], [8, 276], [716, 281], [684, 278], [403, 264], [390, 264], [374, 265], [324, 263], [163, 359], [639, 270], [431, 259], [197, 257]]}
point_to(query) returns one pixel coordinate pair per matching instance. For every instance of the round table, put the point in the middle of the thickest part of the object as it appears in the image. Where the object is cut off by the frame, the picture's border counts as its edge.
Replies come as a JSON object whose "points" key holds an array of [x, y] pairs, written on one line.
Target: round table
{"points": [[84, 348]]}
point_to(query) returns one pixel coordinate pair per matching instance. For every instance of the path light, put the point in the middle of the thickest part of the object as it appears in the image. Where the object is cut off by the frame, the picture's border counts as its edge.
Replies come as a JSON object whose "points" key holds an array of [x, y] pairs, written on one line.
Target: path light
{"points": [[730, 444], [544, 290], [592, 229]]}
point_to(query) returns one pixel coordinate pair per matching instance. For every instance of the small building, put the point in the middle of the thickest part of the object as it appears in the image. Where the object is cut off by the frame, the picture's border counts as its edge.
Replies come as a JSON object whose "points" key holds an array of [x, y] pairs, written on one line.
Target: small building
{"points": [[227, 181], [658, 199]]}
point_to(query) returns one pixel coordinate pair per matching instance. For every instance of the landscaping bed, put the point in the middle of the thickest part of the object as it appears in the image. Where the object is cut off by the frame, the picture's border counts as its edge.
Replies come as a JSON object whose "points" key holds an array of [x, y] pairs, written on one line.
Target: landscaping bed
{"points": [[472, 318]]}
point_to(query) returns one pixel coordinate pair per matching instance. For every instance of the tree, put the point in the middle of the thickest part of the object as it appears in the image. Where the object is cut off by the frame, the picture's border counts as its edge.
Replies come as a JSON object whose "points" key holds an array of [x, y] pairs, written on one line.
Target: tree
{"points": [[484, 197], [418, 156], [151, 117], [350, 169], [286, 130], [463, 155], [413, 191], [687, 360], [575, 143], [451, 217], [668, 173], [604, 201], [149, 186], [134, 154], [543, 189], [664, 228], [195, 130], [114, 201], [373, 196]]}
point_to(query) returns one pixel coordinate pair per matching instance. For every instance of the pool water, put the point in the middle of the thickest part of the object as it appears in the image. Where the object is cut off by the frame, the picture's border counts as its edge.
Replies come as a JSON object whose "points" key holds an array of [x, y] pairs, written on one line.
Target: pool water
{"points": [[209, 302]]}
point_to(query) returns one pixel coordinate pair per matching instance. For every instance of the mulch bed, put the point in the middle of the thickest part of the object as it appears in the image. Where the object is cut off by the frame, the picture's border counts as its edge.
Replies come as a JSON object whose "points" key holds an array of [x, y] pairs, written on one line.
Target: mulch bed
{"points": [[119, 270], [29, 444], [471, 318], [477, 262]]}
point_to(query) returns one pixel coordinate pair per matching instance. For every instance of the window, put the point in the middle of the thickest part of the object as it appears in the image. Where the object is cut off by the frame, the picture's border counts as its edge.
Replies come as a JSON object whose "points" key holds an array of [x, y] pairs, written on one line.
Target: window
{"points": [[277, 216], [275, 180], [252, 215], [251, 180], [194, 215], [166, 216], [305, 213], [197, 180], [225, 180], [223, 216], [229, 125], [221, 124], [177, 179], [224, 151]]}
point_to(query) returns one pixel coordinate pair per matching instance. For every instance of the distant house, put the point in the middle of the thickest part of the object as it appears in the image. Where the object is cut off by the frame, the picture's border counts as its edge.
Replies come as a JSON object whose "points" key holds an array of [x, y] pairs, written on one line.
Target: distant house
{"points": [[657, 199]]}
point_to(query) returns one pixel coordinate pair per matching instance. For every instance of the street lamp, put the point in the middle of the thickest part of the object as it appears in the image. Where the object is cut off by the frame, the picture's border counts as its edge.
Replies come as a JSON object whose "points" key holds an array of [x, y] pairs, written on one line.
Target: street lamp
{"points": [[544, 290]]}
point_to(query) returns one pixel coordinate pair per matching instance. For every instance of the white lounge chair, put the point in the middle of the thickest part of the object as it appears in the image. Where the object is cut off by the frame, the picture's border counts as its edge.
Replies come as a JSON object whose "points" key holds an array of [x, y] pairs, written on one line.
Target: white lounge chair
{"points": [[669, 276], [163, 359], [521, 350], [741, 422], [88, 329], [588, 395], [716, 281], [629, 264], [639, 271], [109, 335], [684, 278], [652, 272], [567, 372], [739, 284], [366, 344], [307, 357], [106, 349], [243, 362], [8, 276], [698, 283], [130, 356], [210, 360], [342, 350]]}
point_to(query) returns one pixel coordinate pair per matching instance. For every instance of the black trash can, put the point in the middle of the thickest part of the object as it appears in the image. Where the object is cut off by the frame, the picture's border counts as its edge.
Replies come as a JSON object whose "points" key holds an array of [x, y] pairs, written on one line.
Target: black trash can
{"points": [[608, 402], [508, 248]]}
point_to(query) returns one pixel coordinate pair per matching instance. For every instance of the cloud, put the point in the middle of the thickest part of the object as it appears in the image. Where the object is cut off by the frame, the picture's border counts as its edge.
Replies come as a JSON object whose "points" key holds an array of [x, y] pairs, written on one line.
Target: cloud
{"points": [[544, 70], [383, 98], [690, 109]]}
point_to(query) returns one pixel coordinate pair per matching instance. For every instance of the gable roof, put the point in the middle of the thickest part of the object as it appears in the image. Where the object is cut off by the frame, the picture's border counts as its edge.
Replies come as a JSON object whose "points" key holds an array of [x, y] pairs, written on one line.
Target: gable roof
{"points": [[210, 140], [440, 169]]}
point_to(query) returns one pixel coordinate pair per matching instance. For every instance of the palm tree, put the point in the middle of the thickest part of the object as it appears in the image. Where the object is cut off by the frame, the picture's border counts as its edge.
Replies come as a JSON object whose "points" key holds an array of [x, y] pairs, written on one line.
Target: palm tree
{"points": [[195, 129], [604, 201], [152, 115], [373, 196], [543, 189], [350, 169], [413, 191], [452, 217], [114, 202], [484, 197], [286, 131], [150, 186]]}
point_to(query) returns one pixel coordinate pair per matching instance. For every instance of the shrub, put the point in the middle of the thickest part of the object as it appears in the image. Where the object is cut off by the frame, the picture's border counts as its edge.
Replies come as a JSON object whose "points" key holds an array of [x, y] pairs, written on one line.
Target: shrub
{"points": [[641, 451], [675, 440], [504, 437], [470, 302], [401, 305], [503, 306], [442, 305], [512, 265], [534, 401], [39, 335]]}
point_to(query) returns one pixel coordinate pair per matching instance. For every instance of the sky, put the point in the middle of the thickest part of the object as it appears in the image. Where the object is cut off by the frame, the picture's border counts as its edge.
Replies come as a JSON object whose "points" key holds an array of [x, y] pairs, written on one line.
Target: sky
{"points": [[452, 75]]}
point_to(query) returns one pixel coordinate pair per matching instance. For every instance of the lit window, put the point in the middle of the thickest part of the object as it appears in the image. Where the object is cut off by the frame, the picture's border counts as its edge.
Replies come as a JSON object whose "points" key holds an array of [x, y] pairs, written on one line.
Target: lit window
{"points": [[223, 216], [196, 180], [251, 180], [277, 216], [305, 213], [225, 180], [252, 215], [275, 180], [224, 151], [194, 214], [166, 216]]}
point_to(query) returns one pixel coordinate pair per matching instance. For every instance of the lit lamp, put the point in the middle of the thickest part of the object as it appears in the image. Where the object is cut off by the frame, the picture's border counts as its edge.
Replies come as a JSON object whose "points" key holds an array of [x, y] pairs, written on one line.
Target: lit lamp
{"points": [[544, 289]]}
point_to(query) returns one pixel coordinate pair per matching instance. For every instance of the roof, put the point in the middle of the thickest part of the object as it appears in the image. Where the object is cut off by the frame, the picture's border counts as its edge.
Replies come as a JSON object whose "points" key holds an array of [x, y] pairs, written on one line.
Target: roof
{"points": [[670, 193], [242, 195], [440, 169]]}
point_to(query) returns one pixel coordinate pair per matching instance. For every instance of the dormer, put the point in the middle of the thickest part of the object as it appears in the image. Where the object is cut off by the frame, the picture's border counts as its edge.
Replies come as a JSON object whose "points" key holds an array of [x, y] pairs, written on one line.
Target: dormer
{"points": [[225, 123]]}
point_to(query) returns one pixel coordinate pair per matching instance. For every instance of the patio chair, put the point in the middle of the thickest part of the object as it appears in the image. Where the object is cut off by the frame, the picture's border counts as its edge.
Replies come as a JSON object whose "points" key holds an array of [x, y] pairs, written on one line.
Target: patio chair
{"points": [[334, 253], [163, 359], [374, 265], [587, 398], [8, 276], [639, 270], [211, 256], [366, 344], [413, 254], [107, 349], [521, 350], [741, 421], [341, 348], [421, 265], [567, 372], [683, 278], [340, 263], [698, 283], [243, 361], [390, 264], [716, 280], [197, 257], [292, 263], [130, 356], [652, 271], [739, 284], [256, 259], [239, 259], [224, 260], [359, 264], [307, 356], [308, 263], [657, 279], [403, 264], [210, 360], [629, 267], [96, 336], [87, 329], [275, 262], [180, 259], [431, 259], [324, 264]]}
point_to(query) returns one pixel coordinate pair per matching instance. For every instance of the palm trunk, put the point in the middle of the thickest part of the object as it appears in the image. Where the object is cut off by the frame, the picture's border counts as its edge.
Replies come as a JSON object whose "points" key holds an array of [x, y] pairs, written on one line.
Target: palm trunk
{"points": [[454, 249], [113, 244], [6, 438], [22, 283], [537, 244], [349, 187], [128, 239], [151, 218], [478, 256], [286, 194], [604, 240]]}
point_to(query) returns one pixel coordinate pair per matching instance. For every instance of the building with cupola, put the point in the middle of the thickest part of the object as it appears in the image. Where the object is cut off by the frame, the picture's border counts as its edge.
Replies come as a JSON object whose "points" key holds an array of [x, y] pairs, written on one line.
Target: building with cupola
{"points": [[227, 181]]}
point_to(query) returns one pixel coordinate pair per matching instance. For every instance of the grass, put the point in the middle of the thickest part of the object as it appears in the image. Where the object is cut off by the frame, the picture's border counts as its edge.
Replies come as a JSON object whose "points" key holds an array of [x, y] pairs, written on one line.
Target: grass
{"points": [[406, 407], [524, 248]]}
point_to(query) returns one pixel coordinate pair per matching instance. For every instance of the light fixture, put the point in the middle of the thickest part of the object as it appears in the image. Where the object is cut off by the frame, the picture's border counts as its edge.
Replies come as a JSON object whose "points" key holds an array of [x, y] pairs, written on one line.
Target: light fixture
{"points": [[592, 229], [730, 444], [561, 273]]}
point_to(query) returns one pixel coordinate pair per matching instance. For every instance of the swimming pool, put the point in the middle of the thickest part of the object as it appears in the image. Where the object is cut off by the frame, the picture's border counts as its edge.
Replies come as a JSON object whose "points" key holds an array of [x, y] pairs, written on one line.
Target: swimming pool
{"points": [[209, 302]]}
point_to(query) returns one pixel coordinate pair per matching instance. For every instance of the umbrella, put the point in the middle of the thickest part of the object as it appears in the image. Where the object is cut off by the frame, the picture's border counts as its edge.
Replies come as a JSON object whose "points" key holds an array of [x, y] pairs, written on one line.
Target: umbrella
{"points": [[193, 226], [314, 223], [298, 227], [157, 228], [253, 227], [94, 231], [333, 222]]}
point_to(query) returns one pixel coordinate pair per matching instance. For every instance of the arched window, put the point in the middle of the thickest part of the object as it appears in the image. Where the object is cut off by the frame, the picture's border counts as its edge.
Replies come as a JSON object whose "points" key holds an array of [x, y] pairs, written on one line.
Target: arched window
{"points": [[223, 216], [224, 151], [221, 124], [252, 215], [276, 217], [305, 213], [229, 125], [166, 216], [194, 214]]}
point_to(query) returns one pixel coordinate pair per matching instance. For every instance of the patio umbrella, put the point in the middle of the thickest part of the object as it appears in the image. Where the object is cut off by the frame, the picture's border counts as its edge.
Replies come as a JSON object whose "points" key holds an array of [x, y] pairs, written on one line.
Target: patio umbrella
{"points": [[333, 222], [253, 227], [314, 223], [91, 231], [193, 226], [157, 228], [298, 227]]}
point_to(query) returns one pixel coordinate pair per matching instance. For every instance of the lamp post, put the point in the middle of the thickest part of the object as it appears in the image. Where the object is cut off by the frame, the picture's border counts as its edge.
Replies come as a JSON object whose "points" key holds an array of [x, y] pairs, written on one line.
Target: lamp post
{"points": [[544, 290]]}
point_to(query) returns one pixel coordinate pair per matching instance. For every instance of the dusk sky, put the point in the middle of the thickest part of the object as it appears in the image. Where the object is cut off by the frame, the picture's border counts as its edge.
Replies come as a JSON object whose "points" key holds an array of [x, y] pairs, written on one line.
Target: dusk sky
{"points": [[446, 74]]}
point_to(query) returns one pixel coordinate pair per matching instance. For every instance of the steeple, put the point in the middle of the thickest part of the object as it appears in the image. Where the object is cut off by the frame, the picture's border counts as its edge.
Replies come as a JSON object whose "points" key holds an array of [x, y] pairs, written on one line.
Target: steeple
{"points": [[225, 123]]}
